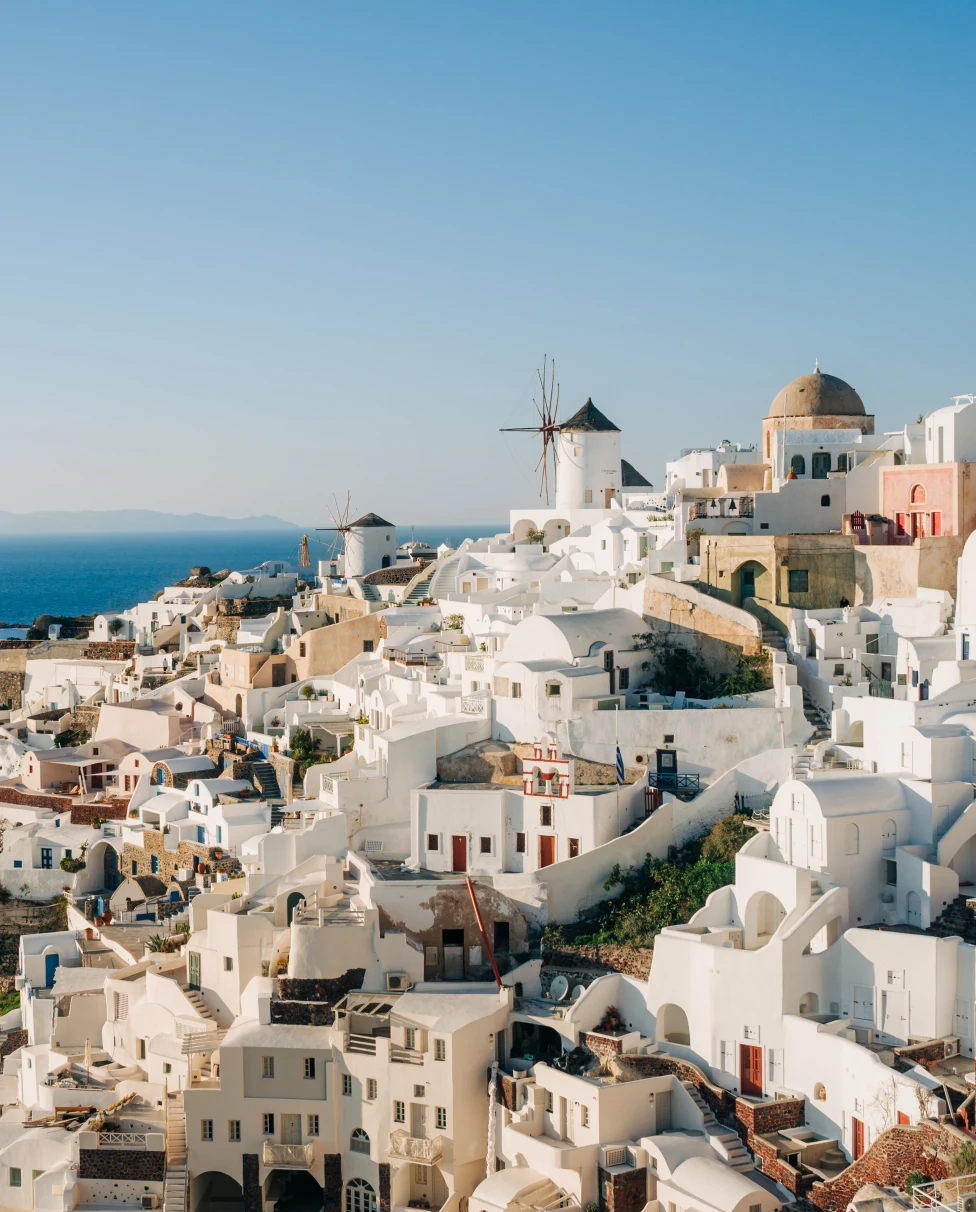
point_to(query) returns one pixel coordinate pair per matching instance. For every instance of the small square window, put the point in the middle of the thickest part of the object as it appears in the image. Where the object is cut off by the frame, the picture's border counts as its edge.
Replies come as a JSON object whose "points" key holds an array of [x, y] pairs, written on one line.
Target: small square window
{"points": [[167, 1067], [367, 645], [399, 1112], [763, 525], [440, 1114], [825, 500], [520, 843], [574, 847], [433, 842], [584, 1117], [440, 1050], [312, 1125], [228, 963], [419, 1091], [267, 1066], [839, 669], [669, 738], [799, 580], [206, 1129], [554, 690], [485, 845], [233, 1129], [14, 1179], [309, 1066], [347, 1084], [268, 1121], [516, 690]]}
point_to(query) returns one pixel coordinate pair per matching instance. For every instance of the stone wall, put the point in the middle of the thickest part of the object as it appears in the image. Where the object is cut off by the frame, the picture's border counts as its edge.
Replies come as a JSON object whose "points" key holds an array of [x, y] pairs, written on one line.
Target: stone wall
{"points": [[12, 1041], [142, 1165], [11, 688], [301, 989], [109, 810], [623, 1192], [602, 1045], [110, 650], [84, 718], [251, 1183], [331, 1183], [302, 1014], [24, 799], [608, 957], [923, 1148], [914, 1054], [168, 861], [384, 1202]]}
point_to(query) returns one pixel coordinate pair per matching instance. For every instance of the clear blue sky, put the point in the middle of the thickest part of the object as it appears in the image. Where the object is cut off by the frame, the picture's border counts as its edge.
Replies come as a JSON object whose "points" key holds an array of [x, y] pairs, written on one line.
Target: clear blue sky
{"points": [[301, 248]]}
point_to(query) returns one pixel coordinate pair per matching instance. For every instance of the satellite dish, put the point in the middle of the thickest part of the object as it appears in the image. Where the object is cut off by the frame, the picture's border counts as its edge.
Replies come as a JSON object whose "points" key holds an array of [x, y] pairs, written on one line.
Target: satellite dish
{"points": [[578, 991], [559, 988]]}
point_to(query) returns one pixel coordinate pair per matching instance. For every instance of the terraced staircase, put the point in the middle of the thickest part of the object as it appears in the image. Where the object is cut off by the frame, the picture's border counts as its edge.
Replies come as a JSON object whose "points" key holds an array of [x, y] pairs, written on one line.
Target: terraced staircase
{"points": [[267, 779], [195, 998], [956, 918], [174, 1181], [725, 1141]]}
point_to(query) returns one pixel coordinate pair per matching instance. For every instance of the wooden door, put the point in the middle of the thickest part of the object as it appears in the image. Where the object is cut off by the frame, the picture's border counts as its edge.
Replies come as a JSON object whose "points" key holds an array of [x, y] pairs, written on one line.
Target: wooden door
{"points": [[459, 853], [418, 1120], [857, 1138], [547, 850], [291, 1129], [750, 1069]]}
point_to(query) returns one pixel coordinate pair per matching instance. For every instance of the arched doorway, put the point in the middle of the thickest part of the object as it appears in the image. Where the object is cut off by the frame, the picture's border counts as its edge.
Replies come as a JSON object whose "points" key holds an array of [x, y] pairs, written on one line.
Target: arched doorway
{"points": [[913, 909], [214, 1191], [522, 528], [294, 900], [764, 912], [238, 706], [672, 1025], [111, 877], [751, 580], [554, 530]]}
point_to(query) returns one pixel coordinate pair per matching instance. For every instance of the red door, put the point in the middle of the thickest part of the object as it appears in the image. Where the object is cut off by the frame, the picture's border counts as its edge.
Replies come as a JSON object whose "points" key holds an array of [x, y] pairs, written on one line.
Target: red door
{"points": [[857, 1138], [750, 1069], [904, 1117], [547, 850], [459, 853]]}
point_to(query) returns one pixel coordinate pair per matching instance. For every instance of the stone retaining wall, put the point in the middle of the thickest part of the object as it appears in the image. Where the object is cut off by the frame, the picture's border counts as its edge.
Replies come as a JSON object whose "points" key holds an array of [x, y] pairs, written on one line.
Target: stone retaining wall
{"points": [[25, 799], [110, 650], [922, 1148], [611, 957], [108, 810], [141, 1165], [623, 1192], [313, 989]]}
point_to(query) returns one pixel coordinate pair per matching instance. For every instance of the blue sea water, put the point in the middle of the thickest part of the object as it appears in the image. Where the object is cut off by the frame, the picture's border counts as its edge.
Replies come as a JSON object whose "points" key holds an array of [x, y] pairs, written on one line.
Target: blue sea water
{"points": [[85, 573]]}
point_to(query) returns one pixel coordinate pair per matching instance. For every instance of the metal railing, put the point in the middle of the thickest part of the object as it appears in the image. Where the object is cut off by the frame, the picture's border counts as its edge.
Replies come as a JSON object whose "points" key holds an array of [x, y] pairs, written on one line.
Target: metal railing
{"points": [[288, 1157], [944, 1193], [122, 1140], [474, 704], [416, 1148], [310, 912]]}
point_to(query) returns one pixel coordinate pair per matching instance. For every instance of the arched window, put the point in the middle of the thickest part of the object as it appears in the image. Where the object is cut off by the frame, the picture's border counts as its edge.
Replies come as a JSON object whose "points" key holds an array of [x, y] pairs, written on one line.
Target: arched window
{"points": [[537, 781], [852, 839], [360, 1196], [918, 494], [359, 1140], [798, 464], [554, 784], [889, 835]]}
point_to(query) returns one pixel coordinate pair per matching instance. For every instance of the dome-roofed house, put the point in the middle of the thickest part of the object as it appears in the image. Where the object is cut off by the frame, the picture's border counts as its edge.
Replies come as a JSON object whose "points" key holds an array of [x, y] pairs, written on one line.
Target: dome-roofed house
{"points": [[815, 401]]}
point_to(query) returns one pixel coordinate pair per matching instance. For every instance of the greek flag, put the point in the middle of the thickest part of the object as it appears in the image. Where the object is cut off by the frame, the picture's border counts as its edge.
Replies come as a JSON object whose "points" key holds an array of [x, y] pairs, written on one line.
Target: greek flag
{"points": [[621, 773]]}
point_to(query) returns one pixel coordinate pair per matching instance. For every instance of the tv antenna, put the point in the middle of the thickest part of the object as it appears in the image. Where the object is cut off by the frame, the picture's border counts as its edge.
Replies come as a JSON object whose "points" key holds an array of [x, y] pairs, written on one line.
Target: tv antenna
{"points": [[547, 427]]}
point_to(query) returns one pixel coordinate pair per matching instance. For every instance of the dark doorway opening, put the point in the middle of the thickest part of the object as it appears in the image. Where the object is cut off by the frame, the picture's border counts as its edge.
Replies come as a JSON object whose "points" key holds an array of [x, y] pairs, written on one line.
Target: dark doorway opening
{"points": [[501, 937], [453, 943], [535, 1042]]}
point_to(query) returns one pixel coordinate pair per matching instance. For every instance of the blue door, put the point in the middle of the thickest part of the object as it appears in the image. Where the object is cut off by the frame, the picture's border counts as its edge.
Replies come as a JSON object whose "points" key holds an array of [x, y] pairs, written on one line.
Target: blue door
{"points": [[965, 645], [51, 965], [159, 776]]}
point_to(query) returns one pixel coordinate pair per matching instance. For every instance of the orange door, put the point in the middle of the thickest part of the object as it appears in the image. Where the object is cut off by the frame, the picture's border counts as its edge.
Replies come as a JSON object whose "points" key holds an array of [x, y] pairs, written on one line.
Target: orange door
{"points": [[547, 850], [750, 1069], [857, 1138], [459, 853]]}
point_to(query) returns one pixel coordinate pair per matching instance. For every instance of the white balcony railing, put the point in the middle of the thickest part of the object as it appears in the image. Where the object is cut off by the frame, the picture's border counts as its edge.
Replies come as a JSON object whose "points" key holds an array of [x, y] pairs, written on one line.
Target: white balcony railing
{"points": [[416, 1148], [288, 1157], [122, 1140]]}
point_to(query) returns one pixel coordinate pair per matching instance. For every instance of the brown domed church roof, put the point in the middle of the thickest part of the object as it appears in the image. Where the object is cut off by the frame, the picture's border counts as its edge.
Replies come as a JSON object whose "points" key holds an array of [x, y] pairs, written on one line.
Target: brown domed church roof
{"points": [[817, 395]]}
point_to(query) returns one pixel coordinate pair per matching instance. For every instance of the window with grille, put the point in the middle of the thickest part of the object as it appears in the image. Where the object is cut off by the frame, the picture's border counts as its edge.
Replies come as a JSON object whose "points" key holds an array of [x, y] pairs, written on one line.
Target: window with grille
{"points": [[121, 1001], [549, 1100], [419, 1091], [440, 1116], [410, 1038], [614, 1157], [268, 1120], [206, 1129], [440, 1050], [433, 841], [371, 1088], [399, 1112], [585, 1117], [485, 843], [233, 1129], [312, 1125], [347, 1084], [516, 690], [309, 1066], [545, 815], [359, 1141], [267, 1066]]}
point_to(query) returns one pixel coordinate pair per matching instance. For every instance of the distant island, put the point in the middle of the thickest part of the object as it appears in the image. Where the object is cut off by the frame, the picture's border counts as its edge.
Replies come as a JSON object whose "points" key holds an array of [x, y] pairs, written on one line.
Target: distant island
{"points": [[114, 521]]}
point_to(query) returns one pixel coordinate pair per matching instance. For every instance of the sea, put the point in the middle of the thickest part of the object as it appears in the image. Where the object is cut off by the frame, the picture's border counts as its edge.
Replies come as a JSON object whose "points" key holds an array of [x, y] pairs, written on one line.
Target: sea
{"points": [[90, 573]]}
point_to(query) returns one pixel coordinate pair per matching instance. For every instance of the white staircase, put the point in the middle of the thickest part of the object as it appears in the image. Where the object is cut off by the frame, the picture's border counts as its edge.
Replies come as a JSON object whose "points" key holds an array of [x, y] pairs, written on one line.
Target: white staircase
{"points": [[195, 998], [725, 1142], [174, 1184]]}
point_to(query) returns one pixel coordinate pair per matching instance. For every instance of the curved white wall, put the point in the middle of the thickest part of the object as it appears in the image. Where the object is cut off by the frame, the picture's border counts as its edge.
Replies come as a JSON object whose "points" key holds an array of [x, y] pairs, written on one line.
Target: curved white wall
{"points": [[595, 468]]}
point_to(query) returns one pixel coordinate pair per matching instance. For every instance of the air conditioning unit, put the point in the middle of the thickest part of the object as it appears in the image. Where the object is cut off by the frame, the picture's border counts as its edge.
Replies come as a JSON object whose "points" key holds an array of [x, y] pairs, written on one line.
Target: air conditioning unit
{"points": [[399, 982], [967, 1203], [951, 1046], [151, 1201]]}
